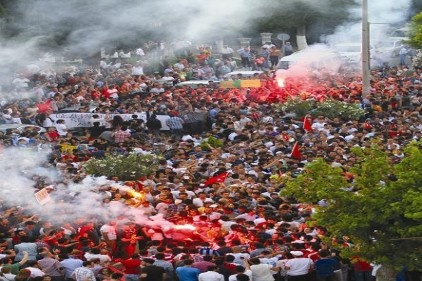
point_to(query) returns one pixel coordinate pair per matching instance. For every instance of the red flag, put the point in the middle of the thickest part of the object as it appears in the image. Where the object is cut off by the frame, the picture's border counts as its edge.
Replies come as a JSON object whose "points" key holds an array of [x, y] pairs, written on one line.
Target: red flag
{"points": [[44, 107], [296, 152], [218, 178], [307, 125]]}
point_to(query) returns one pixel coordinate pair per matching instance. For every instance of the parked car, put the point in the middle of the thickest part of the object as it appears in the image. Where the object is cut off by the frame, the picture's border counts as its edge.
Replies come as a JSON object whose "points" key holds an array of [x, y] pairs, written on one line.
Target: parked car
{"points": [[243, 74], [308, 59], [20, 128], [195, 83]]}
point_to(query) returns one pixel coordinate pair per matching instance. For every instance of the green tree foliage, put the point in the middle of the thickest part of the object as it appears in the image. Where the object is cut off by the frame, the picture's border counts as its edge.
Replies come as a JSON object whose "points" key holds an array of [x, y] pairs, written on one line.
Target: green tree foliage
{"points": [[416, 32], [211, 143], [380, 210], [416, 7], [125, 167], [303, 15], [329, 108]]}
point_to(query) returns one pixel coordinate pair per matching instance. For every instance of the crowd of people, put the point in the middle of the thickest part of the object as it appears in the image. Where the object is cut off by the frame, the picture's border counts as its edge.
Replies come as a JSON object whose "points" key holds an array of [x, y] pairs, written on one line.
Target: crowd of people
{"points": [[229, 221]]}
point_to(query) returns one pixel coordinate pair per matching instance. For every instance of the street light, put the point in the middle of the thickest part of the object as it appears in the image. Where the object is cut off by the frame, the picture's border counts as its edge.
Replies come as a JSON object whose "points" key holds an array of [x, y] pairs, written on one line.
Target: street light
{"points": [[366, 88]]}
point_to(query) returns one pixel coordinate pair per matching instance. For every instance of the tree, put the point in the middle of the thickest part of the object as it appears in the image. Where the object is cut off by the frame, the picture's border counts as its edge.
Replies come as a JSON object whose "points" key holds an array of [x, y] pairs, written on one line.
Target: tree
{"points": [[416, 32], [416, 7], [302, 15], [380, 210], [125, 167]]}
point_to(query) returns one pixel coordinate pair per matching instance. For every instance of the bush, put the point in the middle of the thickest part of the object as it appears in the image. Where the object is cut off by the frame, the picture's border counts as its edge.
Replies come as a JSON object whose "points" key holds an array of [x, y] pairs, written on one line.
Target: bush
{"points": [[329, 108], [343, 110], [210, 143], [126, 168], [299, 107]]}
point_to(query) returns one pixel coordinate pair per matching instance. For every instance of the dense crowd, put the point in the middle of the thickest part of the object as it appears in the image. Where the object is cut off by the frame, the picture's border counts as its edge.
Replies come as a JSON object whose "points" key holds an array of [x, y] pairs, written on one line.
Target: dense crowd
{"points": [[228, 220]]}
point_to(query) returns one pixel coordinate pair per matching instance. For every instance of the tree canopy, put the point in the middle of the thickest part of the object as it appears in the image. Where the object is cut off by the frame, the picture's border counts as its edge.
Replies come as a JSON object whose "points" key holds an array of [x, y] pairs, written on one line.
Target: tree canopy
{"points": [[301, 16], [376, 204], [416, 31]]}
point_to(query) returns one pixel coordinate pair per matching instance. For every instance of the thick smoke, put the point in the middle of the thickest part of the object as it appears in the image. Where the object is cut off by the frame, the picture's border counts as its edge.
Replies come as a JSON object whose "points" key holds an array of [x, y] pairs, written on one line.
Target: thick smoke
{"points": [[383, 17], [68, 201]]}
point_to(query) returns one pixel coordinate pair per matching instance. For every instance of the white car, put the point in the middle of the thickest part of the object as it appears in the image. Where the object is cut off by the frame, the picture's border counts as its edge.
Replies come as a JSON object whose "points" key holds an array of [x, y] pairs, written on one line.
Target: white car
{"points": [[195, 83], [311, 59], [20, 128]]}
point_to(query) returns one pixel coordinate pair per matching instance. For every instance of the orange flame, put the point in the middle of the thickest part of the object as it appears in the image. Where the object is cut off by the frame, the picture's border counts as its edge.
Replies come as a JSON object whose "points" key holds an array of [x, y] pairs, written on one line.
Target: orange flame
{"points": [[135, 194]]}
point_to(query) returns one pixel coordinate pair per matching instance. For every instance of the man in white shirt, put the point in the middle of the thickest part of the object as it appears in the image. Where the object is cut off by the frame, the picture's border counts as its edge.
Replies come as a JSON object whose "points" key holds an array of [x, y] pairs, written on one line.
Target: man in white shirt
{"points": [[138, 69], [211, 275], [34, 268], [241, 270], [95, 253], [261, 271], [108, 234], [84, 273], [227, 52], [298, 268]]}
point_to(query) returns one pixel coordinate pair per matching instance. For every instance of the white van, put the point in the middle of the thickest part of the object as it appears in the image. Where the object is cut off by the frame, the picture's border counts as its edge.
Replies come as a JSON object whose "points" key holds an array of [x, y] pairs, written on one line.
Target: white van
{"points": [[196, 83], [351, 52], [310, 58]]}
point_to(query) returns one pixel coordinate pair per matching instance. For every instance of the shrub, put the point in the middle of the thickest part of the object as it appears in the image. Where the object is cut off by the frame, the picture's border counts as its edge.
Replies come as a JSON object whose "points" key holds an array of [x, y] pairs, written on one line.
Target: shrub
{"points": [[211, 142], [329, 108], [125, 167]]}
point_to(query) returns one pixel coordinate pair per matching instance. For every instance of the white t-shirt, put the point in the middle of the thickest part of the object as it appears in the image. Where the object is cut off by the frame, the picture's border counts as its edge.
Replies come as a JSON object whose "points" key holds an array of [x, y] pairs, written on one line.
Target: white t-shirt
{"points": [[238, 256], [61, 129], [48, 123], [162, 208], [137, 70], [210, 276], [247, 272], [298, 266], [35, 272], [111, 231], [103, 258], [261, 272]]}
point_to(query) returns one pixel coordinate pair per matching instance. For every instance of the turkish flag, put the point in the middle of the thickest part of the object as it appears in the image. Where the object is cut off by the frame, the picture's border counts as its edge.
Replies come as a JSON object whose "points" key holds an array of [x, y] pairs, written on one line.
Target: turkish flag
{"points": [[44, 107], [307, 124], [217, 178], [296, 152]]}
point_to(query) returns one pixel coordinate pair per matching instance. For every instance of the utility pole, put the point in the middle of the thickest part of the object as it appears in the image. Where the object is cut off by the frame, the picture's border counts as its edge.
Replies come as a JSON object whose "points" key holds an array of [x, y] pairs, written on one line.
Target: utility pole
{"points": [[366, 89]]}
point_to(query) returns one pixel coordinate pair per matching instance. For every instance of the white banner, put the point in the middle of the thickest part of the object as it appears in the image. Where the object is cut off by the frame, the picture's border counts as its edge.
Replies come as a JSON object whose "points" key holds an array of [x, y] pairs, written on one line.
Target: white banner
{"points": [[83, 120]]}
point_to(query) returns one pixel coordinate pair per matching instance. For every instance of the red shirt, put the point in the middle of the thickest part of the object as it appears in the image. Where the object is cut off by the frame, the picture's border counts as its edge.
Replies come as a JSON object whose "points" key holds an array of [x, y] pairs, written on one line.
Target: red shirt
{"points": [[53, 135], [360, 265], [132, 266]]}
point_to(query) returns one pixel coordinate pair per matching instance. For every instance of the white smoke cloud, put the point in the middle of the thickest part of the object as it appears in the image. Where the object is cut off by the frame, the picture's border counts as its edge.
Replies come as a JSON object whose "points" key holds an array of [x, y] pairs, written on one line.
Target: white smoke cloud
{"points": [[383, 16], [69, 201]]}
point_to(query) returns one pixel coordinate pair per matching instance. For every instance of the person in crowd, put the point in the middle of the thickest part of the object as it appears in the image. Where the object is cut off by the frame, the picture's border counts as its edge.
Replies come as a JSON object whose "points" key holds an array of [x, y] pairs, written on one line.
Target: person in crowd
{"points": [[84, 273], [288, 48], [151, 272], [211, 274], [187, 272]]}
